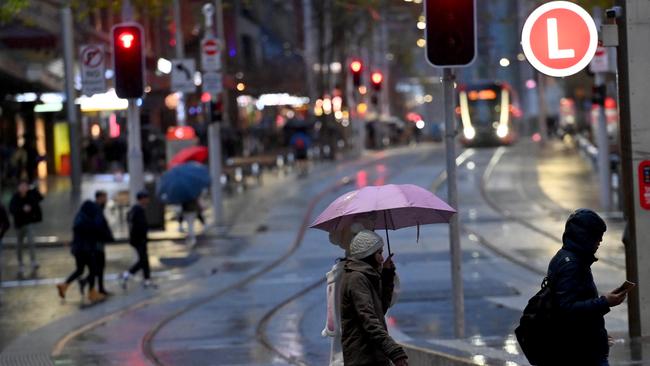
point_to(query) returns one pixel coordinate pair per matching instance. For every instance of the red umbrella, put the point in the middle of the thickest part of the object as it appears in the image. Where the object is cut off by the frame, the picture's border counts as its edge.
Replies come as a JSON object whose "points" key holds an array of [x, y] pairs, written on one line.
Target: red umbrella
{"points": [[192, 153]]}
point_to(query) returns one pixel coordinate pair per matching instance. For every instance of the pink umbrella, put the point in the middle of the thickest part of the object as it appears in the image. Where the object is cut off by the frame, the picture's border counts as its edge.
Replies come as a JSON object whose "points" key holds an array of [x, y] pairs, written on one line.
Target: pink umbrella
{"points": [[395, 207]]}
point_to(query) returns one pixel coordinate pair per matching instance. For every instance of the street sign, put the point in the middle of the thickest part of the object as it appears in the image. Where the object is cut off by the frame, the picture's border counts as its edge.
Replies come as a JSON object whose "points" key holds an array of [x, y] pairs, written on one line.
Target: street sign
{"points": [[600, 62], [183, 70], [92, 69], [210, 54], [212, 82], [559, 38]]}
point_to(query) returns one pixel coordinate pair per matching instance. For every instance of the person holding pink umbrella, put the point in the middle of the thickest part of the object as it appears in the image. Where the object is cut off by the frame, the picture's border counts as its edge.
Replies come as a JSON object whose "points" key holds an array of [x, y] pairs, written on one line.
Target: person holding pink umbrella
{"points": [[366, 294]]}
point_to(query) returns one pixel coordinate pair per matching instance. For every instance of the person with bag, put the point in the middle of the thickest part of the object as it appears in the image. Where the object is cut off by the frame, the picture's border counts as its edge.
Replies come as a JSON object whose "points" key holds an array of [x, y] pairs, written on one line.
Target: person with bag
{"points": [[569, 304], [366, 295], [138, 230], [26, 210]]}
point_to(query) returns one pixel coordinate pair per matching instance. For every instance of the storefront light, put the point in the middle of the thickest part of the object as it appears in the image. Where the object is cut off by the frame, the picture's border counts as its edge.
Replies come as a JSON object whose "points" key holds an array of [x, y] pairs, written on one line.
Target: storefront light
{"points": [[48, 107], [25, 97], [102, 102]]}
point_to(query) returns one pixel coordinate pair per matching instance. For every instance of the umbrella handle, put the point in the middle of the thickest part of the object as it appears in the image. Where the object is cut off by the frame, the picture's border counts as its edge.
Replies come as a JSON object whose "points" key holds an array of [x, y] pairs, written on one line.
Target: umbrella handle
{"points": [[387, 237]]}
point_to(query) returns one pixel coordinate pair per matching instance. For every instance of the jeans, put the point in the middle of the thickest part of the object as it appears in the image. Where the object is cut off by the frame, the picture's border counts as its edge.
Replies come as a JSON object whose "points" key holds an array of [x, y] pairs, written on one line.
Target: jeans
{"points": [[142, 263], [23, 232]]}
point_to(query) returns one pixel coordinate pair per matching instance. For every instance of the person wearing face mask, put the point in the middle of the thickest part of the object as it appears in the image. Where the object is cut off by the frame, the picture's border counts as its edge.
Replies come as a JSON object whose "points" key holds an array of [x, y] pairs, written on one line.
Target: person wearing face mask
{"points": [[581, 337], [366, 294]]}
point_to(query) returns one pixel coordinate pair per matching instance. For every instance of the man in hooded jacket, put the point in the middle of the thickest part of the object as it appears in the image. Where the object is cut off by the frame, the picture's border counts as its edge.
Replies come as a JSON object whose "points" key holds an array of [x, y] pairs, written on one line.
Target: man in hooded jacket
{"points": [[366, 293], [581, 337]]}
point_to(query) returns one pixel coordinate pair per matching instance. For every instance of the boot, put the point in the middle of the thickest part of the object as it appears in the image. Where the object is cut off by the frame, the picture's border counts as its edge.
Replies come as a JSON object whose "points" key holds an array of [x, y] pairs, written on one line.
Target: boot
{"points": [[62, 287], [95, 296]]}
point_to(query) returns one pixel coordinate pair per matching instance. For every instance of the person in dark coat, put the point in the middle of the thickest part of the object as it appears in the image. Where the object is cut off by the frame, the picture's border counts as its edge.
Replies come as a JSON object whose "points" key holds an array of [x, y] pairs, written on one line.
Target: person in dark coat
{"points": [[366, 293], [101, 197], [578, 309], [89, 228], [26, 210], [4, 227], [138, 229]]}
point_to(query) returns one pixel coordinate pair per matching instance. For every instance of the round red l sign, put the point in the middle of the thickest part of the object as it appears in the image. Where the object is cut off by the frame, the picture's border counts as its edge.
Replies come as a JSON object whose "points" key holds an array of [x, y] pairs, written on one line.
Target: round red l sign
{"points": [[559, 38]]}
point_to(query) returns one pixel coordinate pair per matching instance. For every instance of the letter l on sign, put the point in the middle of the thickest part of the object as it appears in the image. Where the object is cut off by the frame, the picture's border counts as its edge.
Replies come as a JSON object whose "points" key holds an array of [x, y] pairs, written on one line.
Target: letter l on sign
{"points": [[554, 51]]}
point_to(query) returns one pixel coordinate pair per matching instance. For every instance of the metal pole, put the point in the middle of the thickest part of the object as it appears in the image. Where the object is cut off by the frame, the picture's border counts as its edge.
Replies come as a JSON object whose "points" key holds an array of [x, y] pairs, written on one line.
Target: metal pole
{"points": [[541, 99], [221, 34], [214, 140], [309, 49], [71, 110], [452, 193], [215, 172], [181, 117], [135, 165], [604, 168], [385, 91]]}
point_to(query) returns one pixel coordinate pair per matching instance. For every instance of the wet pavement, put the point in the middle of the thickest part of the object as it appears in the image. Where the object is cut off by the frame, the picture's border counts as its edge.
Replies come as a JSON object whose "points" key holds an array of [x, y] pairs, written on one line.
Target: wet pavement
{"points": [[255, 296]]}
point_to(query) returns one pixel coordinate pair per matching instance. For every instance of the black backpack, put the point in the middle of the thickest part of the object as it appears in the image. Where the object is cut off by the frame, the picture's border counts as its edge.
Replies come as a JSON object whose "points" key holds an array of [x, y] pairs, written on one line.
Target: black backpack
{"points": [[535, 330]]}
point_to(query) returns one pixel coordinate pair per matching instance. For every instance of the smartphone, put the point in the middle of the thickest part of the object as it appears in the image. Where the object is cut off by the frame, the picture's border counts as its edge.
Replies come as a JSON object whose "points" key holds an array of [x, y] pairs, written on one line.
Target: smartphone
{"points": [[625, 287]]}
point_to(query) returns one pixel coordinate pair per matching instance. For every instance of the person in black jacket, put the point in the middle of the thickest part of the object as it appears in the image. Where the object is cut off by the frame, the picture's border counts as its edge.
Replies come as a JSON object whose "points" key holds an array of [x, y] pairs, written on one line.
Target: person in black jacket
{"points": [[579, 311], [4, 227], [138, 229], [101, 197], [89, 228], [26, 210]]}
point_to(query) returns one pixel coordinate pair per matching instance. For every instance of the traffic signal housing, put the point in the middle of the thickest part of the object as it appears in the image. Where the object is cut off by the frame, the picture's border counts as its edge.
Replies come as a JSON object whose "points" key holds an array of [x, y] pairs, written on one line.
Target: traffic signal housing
{"points": [[450, 32], [128, 60], [356, 67], [376, 78]]}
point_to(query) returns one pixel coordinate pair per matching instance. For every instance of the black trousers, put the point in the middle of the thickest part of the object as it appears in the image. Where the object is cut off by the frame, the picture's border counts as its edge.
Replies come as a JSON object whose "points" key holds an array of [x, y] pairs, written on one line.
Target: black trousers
{"points": [[83, 259], [142, 263], [100, 265]]}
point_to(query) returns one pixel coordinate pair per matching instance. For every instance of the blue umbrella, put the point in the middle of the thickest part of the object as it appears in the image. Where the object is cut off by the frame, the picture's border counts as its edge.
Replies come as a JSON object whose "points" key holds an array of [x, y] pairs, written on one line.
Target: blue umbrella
{"points": [[183, 183]]}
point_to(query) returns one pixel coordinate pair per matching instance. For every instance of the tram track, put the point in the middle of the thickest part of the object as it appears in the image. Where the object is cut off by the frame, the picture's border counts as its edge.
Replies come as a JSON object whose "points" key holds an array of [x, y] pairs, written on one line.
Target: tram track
{"points": [[60, 345], [465, 229], [508, 215]]}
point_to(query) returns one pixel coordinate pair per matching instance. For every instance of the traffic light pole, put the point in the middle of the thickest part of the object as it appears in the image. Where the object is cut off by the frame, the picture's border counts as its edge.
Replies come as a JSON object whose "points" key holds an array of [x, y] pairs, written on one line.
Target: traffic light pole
{"points": [[214, 140], [71, 110], [452, 197], [181, 117], [135, 165]]}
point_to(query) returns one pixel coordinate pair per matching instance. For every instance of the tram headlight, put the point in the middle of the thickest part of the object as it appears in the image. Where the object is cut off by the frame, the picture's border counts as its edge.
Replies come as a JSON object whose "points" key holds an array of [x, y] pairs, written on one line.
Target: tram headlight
{"points": [[469, 133], [502, 131]]}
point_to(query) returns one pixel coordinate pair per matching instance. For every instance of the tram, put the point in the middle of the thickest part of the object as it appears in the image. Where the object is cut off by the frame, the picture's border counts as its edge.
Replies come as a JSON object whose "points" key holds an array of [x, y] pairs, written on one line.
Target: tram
{"points": [[488, 114]]}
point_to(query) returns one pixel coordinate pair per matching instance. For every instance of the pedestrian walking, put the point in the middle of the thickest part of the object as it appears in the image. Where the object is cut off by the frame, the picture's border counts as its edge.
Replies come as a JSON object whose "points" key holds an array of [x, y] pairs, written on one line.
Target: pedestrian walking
{"points": [[89, 228], [4, 227], [578, 311], [366, 294], [101, 197], [191, 210], [26, 211], [138, 229]]}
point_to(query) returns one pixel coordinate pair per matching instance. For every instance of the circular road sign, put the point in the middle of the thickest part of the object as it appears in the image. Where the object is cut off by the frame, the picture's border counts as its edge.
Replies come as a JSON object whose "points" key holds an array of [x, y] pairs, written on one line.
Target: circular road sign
{"points": [[559, 38], [211, 47]]}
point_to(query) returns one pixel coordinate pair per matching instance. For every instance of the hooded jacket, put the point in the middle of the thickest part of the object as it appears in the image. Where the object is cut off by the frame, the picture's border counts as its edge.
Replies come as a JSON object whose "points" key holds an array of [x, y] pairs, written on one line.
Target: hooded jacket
{"points": [[365, 298], [89, 228], [579, 310]]}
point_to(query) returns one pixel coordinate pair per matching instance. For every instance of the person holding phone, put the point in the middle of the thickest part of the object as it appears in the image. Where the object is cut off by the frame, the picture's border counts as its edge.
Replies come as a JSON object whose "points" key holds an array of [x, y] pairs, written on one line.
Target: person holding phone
{"points": [[581, 337], [366, 294]]}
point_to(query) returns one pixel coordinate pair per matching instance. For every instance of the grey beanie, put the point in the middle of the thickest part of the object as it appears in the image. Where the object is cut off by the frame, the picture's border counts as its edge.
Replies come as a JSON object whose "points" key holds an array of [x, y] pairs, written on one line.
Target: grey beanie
{"points": [[365, 243]]}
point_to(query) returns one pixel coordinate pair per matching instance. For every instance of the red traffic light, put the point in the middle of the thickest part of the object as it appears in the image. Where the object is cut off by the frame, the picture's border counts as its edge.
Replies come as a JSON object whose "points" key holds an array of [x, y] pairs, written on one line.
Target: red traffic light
{"points": [[356, 66], [377, 77], [450, 32], [126, 39], [128, 60]]}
